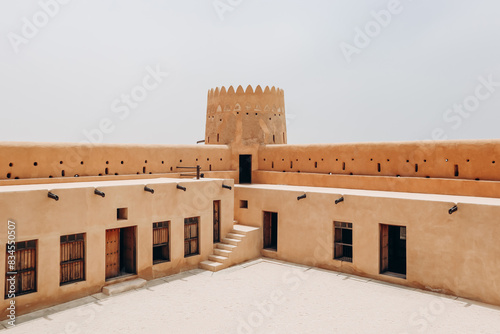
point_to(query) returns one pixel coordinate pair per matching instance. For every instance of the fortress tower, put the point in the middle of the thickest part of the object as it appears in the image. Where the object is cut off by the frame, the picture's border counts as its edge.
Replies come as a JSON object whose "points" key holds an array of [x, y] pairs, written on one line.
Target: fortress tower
{"points": [[246, 117]]}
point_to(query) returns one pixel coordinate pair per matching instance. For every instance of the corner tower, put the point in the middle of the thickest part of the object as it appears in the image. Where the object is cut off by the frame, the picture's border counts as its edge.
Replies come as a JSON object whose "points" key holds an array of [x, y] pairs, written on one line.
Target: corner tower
{"points": [[246, 117]]}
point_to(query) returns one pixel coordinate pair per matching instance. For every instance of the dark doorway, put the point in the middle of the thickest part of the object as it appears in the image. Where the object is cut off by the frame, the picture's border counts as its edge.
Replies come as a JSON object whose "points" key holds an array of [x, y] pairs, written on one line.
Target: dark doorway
{"points": [[245, 168], [216, 214], [270, 230], [393, 250], [120, 252]]}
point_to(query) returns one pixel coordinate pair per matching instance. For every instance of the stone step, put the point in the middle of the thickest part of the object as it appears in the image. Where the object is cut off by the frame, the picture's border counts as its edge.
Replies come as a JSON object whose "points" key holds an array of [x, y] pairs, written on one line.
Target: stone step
{"points": [[235, 236], [243, 229], [218, 258], [223, 252], [230, 241], [117, 288], [211, 265], [225, 246]]}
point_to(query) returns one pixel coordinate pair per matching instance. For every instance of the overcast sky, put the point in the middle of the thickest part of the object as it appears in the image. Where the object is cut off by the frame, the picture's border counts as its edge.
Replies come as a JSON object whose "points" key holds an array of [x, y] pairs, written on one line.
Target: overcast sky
{"points": [[352, 71]]}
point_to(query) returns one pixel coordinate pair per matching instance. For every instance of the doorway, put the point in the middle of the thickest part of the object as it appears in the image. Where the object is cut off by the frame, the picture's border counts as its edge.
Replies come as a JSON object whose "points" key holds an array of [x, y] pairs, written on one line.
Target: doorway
{"points": [[245, 168], [271, 230], [120, 252], [216, 214], [393, 250]]}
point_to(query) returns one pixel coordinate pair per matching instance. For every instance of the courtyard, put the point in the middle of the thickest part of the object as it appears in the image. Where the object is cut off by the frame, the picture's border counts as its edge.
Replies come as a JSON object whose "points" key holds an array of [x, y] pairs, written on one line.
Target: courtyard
{"points": [[265, 296]]}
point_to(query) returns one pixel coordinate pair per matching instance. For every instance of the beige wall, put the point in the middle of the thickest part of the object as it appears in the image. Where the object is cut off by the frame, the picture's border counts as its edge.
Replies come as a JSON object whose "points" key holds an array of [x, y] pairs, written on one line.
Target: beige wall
{"points": [[435, 159], [384, 183], [90, 160], [79, 210], [456, 254]]}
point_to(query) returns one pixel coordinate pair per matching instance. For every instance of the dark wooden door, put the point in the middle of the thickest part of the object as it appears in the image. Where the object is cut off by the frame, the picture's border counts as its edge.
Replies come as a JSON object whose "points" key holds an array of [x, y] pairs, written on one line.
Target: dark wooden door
{"points": [[128, 250], [245, 168], [384, 248], [267, 229], [216, 221], [270, 230], [112, 253]]}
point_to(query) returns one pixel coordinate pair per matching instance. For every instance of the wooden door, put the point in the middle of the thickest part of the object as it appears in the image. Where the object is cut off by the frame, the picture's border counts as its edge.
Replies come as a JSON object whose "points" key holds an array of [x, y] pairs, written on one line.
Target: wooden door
{"points": [[216, 221], [384, 248], [112, 253], [128, 250], [267, 230]]}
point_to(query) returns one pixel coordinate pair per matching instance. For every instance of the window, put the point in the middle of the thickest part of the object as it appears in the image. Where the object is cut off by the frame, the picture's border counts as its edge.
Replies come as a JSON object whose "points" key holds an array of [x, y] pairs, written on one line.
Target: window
{"points": [[191, 236], [161, 248], [343, 241], [20, 273], [244, 204], [122, 214], [72, 258]]}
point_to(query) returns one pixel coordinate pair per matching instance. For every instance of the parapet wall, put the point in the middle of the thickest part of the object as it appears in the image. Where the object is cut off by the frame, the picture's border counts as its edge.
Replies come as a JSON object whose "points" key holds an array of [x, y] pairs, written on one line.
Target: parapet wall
{"points": [[470, 160], [247, 117], [45, 160]]}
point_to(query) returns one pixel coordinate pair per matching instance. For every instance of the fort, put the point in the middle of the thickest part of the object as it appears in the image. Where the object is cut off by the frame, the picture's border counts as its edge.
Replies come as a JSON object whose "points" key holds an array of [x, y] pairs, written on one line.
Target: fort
{"points": [[89, 217]]}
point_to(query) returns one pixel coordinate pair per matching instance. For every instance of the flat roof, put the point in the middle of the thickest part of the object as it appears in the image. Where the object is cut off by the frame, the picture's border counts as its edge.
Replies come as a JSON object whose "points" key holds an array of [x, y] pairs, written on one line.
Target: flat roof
{"points": [[265, 296], [376, 193], [103, 184]]}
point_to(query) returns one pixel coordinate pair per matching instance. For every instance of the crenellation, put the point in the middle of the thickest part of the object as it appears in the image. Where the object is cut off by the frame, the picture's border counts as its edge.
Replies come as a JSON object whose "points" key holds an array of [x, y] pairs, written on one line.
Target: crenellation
{"points": [[238, 127]]}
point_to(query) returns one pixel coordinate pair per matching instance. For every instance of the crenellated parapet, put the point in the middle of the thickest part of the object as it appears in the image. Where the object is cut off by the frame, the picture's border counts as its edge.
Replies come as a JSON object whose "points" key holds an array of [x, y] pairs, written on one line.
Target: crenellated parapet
{"points": [[246, 116]]}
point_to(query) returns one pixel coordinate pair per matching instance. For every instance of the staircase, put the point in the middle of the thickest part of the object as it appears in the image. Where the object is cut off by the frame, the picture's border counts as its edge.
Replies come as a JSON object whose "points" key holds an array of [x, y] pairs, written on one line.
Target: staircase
{"points": [[238, 246]]}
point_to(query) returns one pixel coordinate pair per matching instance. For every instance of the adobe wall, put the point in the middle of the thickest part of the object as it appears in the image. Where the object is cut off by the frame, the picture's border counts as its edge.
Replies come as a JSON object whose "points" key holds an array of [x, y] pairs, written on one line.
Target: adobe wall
{"points": [[383, 183], [474, 159], [246, 117], [44, 160], [455, 254], [79, 210]]}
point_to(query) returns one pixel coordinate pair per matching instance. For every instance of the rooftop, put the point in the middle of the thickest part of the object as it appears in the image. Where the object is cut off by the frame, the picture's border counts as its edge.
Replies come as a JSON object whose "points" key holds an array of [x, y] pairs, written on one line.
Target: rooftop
{"points": [[376, 193], [265, 296]]}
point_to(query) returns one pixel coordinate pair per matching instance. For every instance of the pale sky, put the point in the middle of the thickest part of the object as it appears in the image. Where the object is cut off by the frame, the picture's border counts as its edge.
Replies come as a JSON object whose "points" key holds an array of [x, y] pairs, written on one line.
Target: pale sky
{"points": [[64, 74]]}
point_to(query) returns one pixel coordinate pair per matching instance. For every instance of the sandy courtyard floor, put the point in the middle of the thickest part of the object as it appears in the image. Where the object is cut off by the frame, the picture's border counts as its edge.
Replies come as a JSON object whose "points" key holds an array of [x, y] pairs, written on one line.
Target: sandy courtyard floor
{"points": [[265, 296]]}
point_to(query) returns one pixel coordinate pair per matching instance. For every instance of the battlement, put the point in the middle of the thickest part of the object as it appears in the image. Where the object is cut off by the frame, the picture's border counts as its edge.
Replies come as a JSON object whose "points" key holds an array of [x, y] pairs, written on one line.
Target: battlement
{"points": [[246, 116], [249, 90], [269, 100]]}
